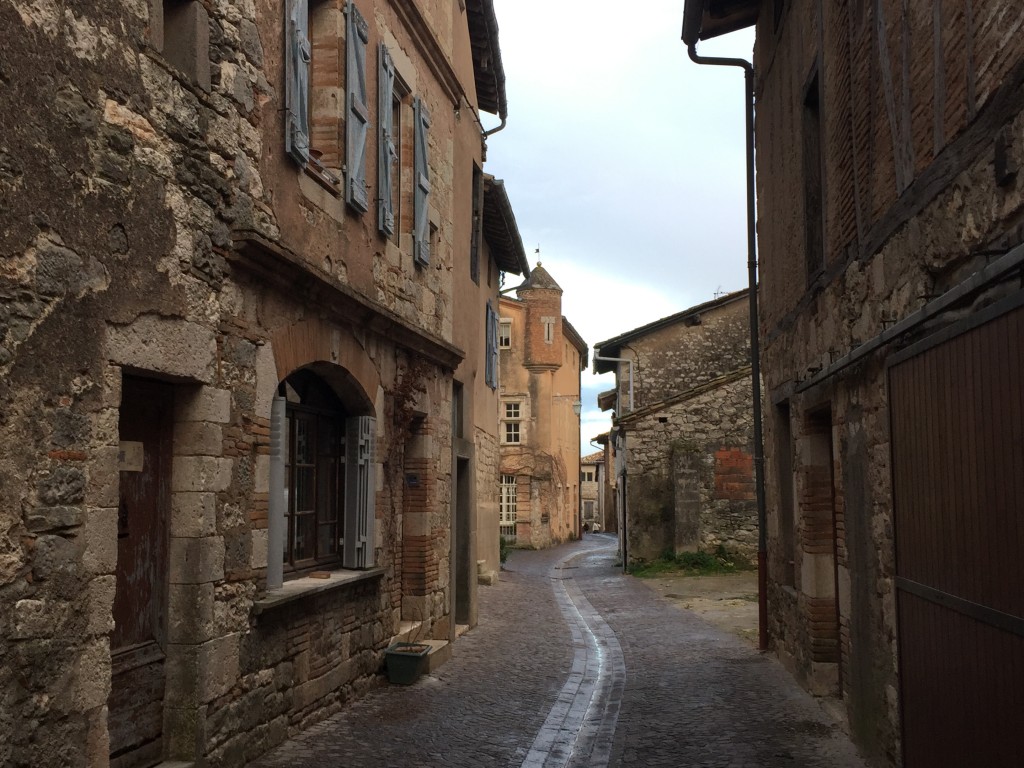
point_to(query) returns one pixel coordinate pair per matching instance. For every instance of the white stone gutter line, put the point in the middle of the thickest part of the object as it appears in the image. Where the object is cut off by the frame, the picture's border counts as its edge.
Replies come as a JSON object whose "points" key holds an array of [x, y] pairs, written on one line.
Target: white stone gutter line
{"points": [[580, 727]]}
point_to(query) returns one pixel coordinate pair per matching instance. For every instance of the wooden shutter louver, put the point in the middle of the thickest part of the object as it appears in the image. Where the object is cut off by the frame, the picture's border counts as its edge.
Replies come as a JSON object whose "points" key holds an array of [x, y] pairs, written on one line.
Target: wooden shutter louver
{"points": [[385, 142], [360, 492], [491, 364], [298, 55], [421, 193], [478, 205], [357, 122]]}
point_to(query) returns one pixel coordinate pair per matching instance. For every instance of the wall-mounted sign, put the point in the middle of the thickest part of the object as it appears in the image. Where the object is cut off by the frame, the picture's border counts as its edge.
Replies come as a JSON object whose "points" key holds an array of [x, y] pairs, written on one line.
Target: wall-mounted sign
{"points": [[129, 456]]}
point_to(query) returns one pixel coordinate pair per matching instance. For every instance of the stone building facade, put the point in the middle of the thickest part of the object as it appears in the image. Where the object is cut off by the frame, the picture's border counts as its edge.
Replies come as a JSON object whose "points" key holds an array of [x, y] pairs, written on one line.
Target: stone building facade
{"points": [[541, 358], [607, 486], [683, 428], [591, 491], [504, 248], [243, 362], [891, 326]]}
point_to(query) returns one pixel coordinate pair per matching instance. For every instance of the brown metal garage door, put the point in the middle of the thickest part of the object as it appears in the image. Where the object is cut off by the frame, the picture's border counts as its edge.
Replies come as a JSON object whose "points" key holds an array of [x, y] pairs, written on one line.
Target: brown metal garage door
{"points": [[957, 419]]}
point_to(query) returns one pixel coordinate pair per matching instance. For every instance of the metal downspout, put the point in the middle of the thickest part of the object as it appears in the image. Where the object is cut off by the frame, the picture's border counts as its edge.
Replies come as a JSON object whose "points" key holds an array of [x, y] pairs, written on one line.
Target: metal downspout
{"points": [[495, 129], [755, 344]]}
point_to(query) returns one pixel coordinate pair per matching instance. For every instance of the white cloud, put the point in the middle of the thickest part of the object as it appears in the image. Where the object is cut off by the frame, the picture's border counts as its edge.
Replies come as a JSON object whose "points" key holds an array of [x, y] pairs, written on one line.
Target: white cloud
{"points": [[623, 160]]}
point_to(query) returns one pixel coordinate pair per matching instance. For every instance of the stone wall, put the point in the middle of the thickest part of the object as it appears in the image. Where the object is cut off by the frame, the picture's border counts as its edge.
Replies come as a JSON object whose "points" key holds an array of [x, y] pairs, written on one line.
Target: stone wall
{"points": [[685, 354], [153, 227], [488, 465], [916, 200], [690, 483], [689, 439]]}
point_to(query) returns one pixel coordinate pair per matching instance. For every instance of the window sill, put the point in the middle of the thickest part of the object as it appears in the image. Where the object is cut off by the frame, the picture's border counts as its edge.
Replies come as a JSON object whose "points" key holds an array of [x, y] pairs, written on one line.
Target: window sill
{"points": [[324, 177], [299, 589]]}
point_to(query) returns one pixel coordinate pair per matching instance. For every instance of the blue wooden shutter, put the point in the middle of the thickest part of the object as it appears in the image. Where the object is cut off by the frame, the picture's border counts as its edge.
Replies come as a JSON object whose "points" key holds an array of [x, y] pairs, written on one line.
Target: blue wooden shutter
{"points": [[357, 113], [421, 192], [297, 57], [360, 492], [491, 364], [385, 142]]}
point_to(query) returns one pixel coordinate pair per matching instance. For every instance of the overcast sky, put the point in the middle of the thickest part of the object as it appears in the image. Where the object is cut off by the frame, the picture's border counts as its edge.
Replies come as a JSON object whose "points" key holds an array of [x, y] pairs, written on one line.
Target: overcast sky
{"points": [[623, 161]]}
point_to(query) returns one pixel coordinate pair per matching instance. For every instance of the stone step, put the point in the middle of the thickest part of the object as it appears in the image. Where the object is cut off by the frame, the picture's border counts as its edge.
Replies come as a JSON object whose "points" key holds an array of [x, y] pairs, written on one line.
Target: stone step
{"points": [[440, 652]]}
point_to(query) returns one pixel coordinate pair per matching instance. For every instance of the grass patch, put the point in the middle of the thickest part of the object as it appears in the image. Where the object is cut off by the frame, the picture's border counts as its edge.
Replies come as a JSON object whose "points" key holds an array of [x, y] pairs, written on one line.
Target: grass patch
{"points": [[692, 564]]}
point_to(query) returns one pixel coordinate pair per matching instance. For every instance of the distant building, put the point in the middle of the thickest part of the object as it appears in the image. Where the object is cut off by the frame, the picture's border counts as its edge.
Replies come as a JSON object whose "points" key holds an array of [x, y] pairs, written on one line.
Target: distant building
{"points": [[591, 496], [606, 482], [501, 252], [683, 431], [541, 358]]}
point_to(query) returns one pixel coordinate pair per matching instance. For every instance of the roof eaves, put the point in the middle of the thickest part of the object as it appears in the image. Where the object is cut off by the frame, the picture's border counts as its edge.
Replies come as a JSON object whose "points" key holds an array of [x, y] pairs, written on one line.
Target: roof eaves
{"points": [[610, 347], [606, 400], [704, 19], [500, 229], [489, 72], [577, 341]]}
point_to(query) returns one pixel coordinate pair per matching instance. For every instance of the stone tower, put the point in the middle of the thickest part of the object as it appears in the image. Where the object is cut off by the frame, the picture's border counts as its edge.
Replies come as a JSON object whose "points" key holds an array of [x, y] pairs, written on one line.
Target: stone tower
{"points": [[543, 298]]}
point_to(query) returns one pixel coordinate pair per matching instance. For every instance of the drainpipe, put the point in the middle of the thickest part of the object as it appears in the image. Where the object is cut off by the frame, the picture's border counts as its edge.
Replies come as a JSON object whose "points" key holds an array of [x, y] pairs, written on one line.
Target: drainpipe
{"points": [[692, 15], [495, 129]]}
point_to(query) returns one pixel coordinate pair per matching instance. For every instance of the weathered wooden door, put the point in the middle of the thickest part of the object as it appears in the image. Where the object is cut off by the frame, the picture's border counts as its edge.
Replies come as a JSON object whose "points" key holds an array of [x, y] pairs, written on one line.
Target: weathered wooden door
{"points": [[139, 639], [957, 418]]}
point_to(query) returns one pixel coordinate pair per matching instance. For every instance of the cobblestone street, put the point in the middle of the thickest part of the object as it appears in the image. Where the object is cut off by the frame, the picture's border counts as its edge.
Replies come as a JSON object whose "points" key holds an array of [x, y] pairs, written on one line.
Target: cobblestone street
{"points": [[574, 664]]}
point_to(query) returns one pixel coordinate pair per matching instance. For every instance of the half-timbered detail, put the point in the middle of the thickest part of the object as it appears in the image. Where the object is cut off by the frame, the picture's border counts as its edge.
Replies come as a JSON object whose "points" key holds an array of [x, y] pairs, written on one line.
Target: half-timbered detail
{"points": [[891, 340]]}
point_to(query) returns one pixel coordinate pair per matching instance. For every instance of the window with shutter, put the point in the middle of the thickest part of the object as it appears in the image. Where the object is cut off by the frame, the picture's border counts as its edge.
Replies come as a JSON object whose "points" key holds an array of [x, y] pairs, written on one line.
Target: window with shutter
{"points": [[477, 235], [357, 123], [310, 440], [297, 59], [386, 144], [360, 490], [421, 191], [491, 364]]}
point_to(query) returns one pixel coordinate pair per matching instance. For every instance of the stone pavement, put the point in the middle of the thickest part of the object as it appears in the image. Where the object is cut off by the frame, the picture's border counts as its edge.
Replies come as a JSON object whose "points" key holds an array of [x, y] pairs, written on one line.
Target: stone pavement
{"points": [[575, 665]]}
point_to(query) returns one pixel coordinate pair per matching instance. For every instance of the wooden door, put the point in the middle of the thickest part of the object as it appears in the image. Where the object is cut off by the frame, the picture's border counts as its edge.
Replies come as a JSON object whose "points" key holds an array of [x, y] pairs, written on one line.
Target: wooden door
{"points": [[138, 642], [957, 421]]}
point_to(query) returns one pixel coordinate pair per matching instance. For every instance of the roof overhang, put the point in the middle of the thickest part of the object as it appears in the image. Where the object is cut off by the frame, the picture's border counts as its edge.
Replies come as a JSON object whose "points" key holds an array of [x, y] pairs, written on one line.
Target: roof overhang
{"points": [[500, 229], [613, 347], [577, 341], [606, 400], [487, 67], [704, 19]]}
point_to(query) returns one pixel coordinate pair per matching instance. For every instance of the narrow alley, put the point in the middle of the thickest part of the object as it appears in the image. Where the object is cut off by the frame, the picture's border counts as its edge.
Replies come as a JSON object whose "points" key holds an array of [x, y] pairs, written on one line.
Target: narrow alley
{"points": [[575, 664]]}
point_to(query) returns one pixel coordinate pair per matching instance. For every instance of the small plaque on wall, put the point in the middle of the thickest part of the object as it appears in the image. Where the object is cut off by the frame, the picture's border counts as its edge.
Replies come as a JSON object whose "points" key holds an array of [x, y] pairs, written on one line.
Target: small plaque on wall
{"points": [[129, 456], [412, 480]]}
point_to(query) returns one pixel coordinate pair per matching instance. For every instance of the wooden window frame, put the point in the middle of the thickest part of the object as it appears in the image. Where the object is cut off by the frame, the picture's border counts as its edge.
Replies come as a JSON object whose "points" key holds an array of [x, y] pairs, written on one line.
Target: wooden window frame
{"points": [[318, 417], [511, 423]]}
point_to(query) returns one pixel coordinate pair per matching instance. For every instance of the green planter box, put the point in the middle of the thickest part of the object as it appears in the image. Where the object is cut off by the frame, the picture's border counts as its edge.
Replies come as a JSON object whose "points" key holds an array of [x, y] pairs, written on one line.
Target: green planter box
{"points": [[406, 662]]}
